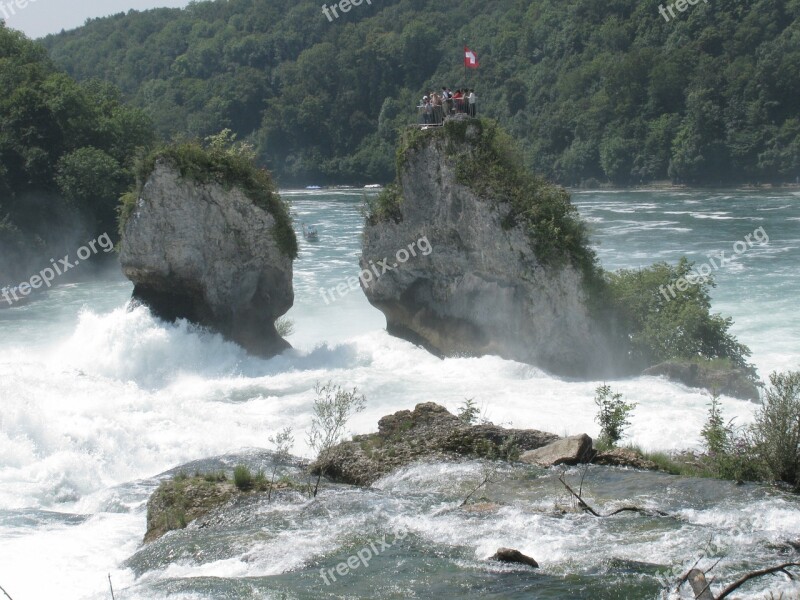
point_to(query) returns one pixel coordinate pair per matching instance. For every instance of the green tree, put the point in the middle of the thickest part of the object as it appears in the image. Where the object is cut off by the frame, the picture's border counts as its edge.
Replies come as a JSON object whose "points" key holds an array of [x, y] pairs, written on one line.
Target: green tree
{"points": [[661, 321], [333, 408], [612, 415]]}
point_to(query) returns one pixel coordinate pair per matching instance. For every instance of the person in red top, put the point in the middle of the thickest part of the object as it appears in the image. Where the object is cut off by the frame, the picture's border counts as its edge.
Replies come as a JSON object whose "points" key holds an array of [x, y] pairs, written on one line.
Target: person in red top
{"points": [[458, 99]]}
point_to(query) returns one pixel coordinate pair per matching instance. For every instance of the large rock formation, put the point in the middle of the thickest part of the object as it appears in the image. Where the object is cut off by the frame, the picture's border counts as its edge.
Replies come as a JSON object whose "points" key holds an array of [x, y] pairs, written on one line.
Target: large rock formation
{"points": [[482, 289], [206, 252]]}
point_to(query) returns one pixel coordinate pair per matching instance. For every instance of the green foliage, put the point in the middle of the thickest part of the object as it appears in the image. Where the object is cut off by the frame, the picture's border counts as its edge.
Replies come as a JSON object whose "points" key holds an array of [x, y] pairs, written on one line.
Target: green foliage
{"points": [[333, 408], [487, 160], [284, 326], [243, 478], [716, 432], [657, 326], [213, 476], [67, 145], [609, 91], [386, 206], [225, 162], [469, 412], [283, 441], [544, 210], [612, 415], [776, 430]]}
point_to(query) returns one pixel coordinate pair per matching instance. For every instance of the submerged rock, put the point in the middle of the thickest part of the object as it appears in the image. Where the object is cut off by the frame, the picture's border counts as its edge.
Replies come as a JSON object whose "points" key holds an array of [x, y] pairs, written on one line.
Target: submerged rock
{"points": [[509, 555], [429, 432], [567, 451], [728, 381], [209, 254], [624, 457], [484, 288], [179, 501]]}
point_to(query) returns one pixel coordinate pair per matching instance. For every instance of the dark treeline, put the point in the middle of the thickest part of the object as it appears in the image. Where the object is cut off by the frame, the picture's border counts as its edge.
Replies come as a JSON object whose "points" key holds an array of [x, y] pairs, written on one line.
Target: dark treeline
{"points": [[602, 90], [66, 155]]}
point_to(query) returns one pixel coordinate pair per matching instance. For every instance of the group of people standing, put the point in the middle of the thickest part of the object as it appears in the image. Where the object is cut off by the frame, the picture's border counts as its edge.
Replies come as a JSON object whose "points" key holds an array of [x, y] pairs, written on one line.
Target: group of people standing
{"points": [[437, 105]]}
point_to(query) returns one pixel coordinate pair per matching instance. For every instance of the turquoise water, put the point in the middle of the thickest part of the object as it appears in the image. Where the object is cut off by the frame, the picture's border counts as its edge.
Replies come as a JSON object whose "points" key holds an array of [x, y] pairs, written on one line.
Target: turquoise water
{"points": [[98, 400]]}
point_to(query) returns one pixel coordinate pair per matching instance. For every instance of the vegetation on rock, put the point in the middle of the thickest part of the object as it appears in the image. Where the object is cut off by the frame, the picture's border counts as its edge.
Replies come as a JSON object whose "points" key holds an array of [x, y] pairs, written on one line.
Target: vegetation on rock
{"points": [[221, 160]]}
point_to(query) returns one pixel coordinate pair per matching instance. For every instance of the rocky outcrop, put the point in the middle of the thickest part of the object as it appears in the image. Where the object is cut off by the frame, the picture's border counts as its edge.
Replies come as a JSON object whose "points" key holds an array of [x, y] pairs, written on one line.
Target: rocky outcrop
{"points": [[429, 432], [482, 289], [179, 501], [624, 457], [728, 381], [567, 451], [206, 252]]}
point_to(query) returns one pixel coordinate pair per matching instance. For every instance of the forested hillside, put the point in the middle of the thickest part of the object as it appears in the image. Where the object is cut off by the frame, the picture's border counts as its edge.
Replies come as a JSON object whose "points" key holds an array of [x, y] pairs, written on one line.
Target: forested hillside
{"points": [[66, 155], [594, 89]]}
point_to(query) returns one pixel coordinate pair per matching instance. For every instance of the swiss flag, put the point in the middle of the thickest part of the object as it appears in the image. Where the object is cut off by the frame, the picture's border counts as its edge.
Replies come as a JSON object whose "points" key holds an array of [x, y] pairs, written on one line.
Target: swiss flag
{"points": [[470, 59]]}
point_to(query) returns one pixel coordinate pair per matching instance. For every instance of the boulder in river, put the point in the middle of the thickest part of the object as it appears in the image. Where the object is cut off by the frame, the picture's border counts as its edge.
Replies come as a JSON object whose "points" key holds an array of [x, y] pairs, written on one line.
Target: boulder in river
{"points": [[208, 252], [567, 451], [729, 381], [509, 555], [429, 432]]}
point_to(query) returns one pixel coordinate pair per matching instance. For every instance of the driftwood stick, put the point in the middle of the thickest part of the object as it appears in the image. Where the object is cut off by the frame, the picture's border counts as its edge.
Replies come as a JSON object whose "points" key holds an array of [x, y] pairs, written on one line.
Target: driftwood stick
{"points": [[700, 587], [711, 568], [637, 509], [760, 573], [685, 578], [472, 493], [577, 496]]}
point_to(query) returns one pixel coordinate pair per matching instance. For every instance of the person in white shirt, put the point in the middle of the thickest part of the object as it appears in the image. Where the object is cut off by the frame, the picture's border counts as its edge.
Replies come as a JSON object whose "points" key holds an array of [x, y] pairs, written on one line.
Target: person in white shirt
{"points": [[472, 99]]}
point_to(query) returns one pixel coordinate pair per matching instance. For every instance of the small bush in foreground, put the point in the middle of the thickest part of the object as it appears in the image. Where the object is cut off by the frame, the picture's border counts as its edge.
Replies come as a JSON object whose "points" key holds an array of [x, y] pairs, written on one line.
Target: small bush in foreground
{"points": [[243, 478], [612, 416], [333, 407], [776, 430]]}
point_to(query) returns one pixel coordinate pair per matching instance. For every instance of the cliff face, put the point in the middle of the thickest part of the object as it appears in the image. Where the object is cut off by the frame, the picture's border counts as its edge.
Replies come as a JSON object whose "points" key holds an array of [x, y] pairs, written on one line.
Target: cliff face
{"points": [[207, 253], [482, 289]]}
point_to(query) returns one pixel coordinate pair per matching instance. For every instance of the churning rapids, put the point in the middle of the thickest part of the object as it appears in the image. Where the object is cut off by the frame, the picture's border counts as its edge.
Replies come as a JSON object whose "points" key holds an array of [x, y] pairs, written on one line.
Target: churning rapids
{"points": [[98, 402]]}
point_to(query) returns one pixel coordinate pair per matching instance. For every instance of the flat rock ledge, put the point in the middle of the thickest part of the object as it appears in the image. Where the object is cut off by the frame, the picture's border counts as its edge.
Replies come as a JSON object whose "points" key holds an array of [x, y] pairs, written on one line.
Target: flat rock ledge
{"points": [[429, 432]]}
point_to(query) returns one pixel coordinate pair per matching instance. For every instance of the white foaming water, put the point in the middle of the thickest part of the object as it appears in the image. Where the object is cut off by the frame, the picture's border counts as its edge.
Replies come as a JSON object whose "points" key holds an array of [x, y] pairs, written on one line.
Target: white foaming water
{"points": [[96, 397]]}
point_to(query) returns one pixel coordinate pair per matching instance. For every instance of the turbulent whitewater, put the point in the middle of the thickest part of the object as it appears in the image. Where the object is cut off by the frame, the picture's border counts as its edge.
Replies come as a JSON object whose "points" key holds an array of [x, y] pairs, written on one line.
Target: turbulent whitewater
{"points": [[99, 400]]}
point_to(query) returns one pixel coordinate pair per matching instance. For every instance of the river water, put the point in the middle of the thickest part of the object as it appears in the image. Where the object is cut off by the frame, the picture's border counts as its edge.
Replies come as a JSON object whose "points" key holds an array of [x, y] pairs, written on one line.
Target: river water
{"points": [[98, 401]]}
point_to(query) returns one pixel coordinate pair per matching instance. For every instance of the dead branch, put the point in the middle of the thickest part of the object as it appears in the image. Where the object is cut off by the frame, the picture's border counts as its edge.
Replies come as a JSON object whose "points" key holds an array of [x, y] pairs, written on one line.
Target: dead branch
{"points": [[760, 573], [479, 486], [637, 509], [577, 496], [592, 511], [6, 593]]}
